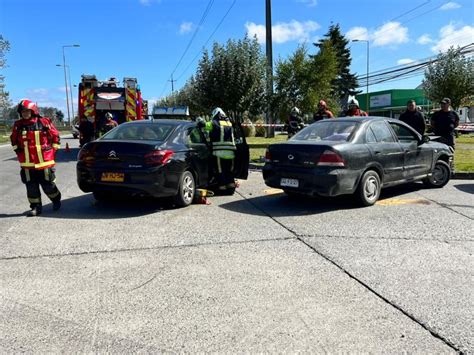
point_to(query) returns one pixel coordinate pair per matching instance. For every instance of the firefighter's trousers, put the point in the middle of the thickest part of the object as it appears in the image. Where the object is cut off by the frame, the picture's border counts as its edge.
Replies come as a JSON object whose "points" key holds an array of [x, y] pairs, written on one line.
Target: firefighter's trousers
{"points": [[224, 171], [33, 179]]}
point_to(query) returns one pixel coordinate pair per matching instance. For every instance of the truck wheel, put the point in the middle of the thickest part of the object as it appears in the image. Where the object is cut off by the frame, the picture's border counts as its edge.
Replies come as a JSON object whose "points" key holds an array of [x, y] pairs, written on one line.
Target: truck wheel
{"points": [[369, 188], [186, 190], [439, 176]]}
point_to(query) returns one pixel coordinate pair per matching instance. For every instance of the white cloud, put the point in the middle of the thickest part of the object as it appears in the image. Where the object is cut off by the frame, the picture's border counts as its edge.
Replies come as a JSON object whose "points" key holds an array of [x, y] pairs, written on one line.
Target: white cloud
{"points": [[450, 6], [358, 33], [185, 27], [310, 3], [450, 36], [424, 39], [405, 61], [391, 33], [149, 2], [284, 31]]}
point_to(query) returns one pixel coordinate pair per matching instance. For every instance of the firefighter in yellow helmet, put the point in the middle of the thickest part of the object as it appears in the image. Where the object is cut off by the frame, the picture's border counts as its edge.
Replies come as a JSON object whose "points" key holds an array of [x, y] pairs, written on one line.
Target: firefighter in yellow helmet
{"points": [[221, 135]]}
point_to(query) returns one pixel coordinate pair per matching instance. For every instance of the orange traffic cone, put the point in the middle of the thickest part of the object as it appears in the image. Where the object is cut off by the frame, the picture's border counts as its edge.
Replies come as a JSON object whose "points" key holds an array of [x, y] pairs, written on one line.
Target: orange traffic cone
{"points": [[67, 150]]}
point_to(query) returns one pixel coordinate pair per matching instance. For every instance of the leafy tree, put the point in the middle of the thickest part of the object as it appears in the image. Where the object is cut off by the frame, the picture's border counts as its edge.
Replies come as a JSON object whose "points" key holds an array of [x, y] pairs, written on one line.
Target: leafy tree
{"points": [[345, 83], [451, 75], [291, 81], [303, 80], [231, 77], [5, 102]]}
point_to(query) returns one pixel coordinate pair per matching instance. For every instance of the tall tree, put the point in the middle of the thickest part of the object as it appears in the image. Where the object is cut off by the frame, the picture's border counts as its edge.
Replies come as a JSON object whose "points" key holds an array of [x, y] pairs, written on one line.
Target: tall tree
{"points": [[303, 80], [451, 75], [5, 102], [345, 82], [232, 77]]}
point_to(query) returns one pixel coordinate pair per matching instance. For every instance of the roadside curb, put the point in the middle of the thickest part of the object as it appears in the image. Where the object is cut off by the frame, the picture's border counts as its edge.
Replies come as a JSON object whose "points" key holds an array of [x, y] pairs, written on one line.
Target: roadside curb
{"points": [[461, 175]]}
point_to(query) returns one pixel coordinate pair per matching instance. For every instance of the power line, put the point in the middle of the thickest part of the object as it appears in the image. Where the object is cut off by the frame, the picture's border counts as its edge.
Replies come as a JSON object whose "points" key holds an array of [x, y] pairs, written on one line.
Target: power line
{"points": [[208, 39], [201, 21]]}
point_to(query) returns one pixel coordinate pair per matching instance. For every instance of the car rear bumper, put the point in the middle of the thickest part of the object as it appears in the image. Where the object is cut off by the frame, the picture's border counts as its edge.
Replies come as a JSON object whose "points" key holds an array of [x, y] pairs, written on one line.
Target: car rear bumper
{"points": [[313, 181], [154, 182]]}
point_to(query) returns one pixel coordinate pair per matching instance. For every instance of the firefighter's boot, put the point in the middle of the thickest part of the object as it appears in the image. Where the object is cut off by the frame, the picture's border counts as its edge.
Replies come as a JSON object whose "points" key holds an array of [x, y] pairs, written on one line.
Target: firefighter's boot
{"points": [[57, 203], [35, 211]]}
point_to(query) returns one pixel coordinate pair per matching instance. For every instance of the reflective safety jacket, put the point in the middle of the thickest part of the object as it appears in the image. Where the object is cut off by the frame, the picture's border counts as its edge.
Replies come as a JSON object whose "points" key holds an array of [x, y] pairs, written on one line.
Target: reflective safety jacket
{"points": [[35, 142], [221, 134]]}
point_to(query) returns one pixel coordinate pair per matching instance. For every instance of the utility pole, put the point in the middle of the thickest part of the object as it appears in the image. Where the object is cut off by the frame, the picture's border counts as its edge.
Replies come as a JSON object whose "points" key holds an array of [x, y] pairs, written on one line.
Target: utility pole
{"points": [[172, 84], [268, 21]]}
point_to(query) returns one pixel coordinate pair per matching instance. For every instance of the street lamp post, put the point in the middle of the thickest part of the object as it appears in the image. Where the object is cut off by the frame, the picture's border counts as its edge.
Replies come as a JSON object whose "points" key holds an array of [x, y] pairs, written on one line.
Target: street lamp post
{"points": [[65, 80], [70, 87], [367, 93]]}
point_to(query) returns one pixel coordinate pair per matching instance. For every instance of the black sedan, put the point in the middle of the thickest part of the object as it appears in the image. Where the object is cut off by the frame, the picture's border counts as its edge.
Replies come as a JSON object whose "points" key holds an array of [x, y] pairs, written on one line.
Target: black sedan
{"points": [[157, 158], [357, 155]]}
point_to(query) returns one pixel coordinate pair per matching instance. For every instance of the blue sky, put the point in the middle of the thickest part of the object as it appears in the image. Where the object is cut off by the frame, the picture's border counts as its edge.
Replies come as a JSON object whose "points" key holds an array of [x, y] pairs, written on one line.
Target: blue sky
{"points": [[146, 38]]}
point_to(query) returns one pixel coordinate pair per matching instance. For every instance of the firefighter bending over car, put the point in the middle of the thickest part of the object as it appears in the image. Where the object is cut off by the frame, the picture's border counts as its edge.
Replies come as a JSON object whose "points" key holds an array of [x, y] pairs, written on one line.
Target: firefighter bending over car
{"points": [[35, 141], [221, 135]]}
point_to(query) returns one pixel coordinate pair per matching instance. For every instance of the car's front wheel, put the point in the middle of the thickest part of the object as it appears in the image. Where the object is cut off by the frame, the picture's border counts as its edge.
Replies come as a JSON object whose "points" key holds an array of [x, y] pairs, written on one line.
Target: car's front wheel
{"points": [[186, 190], [369, 188], [439, 176]]}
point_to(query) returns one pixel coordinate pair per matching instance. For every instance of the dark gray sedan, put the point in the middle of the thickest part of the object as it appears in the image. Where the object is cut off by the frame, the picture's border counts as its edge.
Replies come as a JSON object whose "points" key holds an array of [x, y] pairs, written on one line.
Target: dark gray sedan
{"points": [[356, 155]]}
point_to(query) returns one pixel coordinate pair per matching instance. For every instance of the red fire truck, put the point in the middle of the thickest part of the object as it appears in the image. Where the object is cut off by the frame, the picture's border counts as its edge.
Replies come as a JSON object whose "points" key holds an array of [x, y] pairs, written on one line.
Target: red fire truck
{"points": [[96, 98]]}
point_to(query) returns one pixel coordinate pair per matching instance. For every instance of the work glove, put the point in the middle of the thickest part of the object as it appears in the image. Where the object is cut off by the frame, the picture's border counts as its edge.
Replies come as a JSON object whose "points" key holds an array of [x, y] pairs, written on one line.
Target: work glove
{"points": [[201, 123]]}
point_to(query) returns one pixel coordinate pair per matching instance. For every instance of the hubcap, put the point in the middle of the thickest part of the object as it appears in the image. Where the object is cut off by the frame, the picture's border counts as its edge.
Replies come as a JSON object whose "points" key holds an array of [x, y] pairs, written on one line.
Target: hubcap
{"points": [[371, 188], [439, 174], [188, 188]]}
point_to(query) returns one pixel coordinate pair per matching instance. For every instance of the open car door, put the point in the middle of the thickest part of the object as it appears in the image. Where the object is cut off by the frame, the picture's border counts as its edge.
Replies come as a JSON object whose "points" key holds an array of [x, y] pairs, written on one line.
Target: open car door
{"points": [[242, 154]]}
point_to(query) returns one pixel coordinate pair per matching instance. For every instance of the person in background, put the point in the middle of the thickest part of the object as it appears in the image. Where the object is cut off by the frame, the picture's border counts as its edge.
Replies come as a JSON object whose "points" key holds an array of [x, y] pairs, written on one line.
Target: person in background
{"points": [[86, 130], [322, 112], [35, 141], [444, 121], [295, 122], [413, 117], [353, 108], [109, 123], [221, 135]]}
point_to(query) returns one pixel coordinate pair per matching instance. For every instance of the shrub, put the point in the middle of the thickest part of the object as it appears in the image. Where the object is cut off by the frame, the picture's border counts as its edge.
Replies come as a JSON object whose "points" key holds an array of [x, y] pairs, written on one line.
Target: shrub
{"points": [[259, 130], [248, 128]]}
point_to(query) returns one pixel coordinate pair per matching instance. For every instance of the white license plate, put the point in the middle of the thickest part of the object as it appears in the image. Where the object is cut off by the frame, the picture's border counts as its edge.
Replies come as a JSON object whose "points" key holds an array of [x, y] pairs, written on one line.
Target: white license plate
{"points": [[289, 182]]}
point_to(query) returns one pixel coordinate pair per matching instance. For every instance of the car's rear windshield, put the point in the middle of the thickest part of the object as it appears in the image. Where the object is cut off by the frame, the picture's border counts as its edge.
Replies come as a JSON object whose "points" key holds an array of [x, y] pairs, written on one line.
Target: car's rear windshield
{"points": [[148, 132], [332, 130]]}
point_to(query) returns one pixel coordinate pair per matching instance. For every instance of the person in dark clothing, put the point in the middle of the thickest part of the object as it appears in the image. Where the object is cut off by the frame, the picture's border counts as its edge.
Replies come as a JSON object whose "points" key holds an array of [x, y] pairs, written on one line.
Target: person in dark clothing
{"points": [[86, 130], [413, 117], [322, 112], [444, 122], [295, 122]]}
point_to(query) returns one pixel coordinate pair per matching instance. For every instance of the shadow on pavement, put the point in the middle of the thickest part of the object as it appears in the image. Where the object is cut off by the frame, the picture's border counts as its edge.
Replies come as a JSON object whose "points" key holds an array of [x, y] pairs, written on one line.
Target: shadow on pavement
{"points": [[469, 188], [86, 207], [280, 204]]}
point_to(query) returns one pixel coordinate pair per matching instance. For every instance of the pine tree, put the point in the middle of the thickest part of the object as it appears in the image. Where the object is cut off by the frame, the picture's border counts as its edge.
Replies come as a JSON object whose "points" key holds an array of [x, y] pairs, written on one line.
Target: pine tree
{"points": [[345, 82]]}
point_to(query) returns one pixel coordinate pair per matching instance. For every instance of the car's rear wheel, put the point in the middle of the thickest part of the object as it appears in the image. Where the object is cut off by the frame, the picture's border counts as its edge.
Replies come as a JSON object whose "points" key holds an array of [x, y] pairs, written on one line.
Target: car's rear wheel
{"points": [[186, 190], [439, 176], [369, 188]]}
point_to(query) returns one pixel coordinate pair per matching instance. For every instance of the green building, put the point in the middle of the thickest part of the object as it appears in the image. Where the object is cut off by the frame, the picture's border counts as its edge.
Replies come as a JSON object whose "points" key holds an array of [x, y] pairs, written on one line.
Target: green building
{"points": [[391, 103]]}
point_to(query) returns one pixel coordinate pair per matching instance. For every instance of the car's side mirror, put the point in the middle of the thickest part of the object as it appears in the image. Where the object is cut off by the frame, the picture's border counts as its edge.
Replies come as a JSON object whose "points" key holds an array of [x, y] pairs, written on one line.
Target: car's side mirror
{"points": [[424, 139]]}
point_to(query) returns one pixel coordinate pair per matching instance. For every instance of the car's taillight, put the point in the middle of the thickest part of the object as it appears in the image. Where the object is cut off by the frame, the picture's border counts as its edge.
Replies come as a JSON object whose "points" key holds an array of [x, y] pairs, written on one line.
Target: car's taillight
{"points": [[331, 158], [85, 155], [158, 157], [268, 156]]}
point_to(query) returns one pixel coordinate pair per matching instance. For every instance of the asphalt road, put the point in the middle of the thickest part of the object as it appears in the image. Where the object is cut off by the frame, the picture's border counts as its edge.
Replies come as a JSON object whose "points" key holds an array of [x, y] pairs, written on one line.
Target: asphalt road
{"points": [[253, 272]]}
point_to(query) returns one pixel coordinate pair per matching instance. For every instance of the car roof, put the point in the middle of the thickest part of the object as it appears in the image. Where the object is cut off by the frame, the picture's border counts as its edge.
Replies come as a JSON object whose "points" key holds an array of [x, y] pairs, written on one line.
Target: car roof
{"points": [[163, 121], [360, 118]]}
